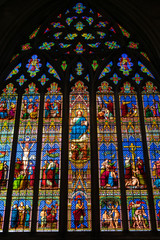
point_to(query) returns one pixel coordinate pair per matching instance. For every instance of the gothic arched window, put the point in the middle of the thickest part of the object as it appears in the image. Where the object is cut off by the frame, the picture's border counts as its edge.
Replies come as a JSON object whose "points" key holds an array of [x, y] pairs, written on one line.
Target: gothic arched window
{"points": [[79, 120]]}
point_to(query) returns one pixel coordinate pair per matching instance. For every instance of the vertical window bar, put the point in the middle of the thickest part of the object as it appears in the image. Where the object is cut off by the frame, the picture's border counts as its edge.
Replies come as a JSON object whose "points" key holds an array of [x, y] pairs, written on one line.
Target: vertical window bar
{"points": [[94, 164]]}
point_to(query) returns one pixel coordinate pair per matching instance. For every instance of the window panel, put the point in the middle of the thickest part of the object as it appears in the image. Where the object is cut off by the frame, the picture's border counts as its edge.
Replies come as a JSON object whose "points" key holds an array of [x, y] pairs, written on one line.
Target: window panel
{"points": [[25, 163], [49, 190], [151, 107], [79, 178], [8, 105], [109, 182], [134, 165]]}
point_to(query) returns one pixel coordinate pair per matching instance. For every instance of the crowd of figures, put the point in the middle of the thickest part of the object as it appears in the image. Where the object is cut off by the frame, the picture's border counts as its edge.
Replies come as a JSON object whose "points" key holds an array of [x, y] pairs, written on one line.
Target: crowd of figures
{"points": [[105, 108], [108, 174], [50, 173], [24, 167], [52, 108], [153, 110], [20, 216], [48, 217], [129, 109], [7, 109], [30, 108], [135, 175]]}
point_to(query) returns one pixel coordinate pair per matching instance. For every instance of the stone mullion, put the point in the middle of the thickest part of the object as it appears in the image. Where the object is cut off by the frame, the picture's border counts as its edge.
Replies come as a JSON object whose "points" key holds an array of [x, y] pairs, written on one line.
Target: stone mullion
{"points": [[64, 162], [94, 165]]}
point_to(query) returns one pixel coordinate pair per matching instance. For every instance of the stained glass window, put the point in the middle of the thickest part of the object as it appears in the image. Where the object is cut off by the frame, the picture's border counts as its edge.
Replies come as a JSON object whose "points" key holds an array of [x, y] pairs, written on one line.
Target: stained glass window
{"points": [[84, 153], [109, 180], [134, 165], [79, 173], [150, 97], [25, 164], [8, 105], [49, 193]]}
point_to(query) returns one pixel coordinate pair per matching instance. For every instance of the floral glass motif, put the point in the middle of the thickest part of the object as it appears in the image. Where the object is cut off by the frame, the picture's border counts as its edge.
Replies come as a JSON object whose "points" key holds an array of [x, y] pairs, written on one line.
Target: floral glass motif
{"points": [[91, 11], [71, 36], [62, 45], [112, 45], [57, 25], [101, 34], [67, 12], [79, 69], [106, 70], [25, 163], [79, 8], [94, 45], [34, 34], [70, 20], [133, 45], [52, 71], [88, 36], [47, 30], [80, 22], [43, 79], [124, 32], [134, 165], [8, 104], [109, 192], [71, 78], [33, 66], [101, 24], [46, 46], [151, 107], [21, 80], [145, 70], [145, 55], [137, 78], [14, 71], [125, 64], [94, 65], [87, 77], [14, 57], [26, 47], [112, 30], [49, 192], [79, 178], [64, 65], [57, 35], [115, 78], [88, 19], [79, 26], [79, 48]]}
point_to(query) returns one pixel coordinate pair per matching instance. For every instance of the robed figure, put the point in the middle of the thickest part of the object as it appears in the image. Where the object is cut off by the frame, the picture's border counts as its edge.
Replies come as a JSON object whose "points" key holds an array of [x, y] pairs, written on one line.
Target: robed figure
{"points": [[79, 127], [79, 214], [15, 216]]}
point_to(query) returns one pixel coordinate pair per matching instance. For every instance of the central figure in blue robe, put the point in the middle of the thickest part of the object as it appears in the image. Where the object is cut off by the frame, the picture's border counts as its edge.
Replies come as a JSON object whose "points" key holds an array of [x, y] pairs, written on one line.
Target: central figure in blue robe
{"points": [[80, 126]]}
